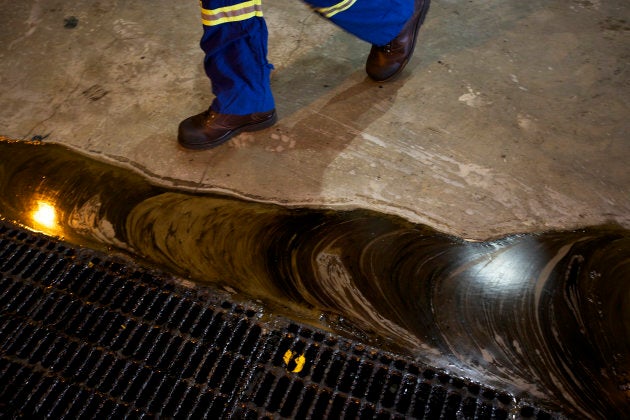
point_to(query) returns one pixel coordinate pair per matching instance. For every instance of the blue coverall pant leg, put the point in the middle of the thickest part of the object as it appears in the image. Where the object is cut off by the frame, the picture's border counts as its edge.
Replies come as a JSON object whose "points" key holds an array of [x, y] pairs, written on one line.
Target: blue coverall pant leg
{"points": [[235, 44], [235, 48]]}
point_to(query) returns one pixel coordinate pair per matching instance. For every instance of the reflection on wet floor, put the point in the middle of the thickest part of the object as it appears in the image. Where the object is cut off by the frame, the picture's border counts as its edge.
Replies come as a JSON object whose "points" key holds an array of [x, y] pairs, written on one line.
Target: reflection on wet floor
{"points": [[545, 316]]}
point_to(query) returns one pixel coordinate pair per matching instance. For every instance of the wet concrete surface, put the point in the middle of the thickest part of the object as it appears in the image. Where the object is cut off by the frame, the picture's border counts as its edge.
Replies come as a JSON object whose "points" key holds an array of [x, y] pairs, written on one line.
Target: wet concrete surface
{"points": [[544, 316], [509, 128]]}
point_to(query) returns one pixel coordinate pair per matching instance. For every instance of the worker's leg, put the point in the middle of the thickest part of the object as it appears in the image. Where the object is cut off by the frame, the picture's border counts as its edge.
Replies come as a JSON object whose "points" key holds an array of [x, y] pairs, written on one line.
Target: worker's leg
{"points": [[374, 21], [235, 44], [391, 26]]}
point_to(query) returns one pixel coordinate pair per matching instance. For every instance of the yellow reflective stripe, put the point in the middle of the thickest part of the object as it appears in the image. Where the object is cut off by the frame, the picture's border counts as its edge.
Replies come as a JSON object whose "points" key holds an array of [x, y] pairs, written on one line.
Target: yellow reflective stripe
{"points": [[331, 11], [237, 12]]}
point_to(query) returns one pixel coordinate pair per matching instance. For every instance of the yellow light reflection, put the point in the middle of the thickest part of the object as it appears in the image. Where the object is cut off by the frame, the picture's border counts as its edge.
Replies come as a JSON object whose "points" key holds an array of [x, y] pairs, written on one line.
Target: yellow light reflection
{"points": [[45, 215]]}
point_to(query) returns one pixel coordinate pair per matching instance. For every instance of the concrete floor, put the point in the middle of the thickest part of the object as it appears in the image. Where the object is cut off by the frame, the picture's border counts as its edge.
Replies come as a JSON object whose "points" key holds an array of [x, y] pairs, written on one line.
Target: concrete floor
{"points": [[511, 117]]}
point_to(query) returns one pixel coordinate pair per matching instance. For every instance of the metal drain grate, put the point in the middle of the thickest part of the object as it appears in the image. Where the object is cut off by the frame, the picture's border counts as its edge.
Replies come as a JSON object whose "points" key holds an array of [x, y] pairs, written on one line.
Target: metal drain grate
{"points": [[338, 379], [86, 335]]}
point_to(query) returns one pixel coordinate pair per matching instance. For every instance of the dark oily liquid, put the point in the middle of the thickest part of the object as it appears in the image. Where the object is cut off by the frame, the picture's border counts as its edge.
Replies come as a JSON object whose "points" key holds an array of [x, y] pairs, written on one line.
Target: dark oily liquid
{"points": [[543, 315]]}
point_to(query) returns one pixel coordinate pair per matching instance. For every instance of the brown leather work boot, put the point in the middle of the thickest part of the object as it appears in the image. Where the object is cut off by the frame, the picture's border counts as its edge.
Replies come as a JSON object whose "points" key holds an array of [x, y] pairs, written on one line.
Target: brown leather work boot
{"points": [[210, 129], [387, 61]]}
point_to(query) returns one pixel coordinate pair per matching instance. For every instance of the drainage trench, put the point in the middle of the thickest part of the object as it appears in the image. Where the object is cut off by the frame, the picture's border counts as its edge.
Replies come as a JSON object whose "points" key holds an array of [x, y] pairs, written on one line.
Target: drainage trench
{"points": [[87, 335], [380, 316]]}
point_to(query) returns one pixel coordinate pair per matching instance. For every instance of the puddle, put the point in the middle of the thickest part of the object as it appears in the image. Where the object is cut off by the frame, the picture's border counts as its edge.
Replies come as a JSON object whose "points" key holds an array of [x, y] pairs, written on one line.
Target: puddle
{"points": [[544, 316]]}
